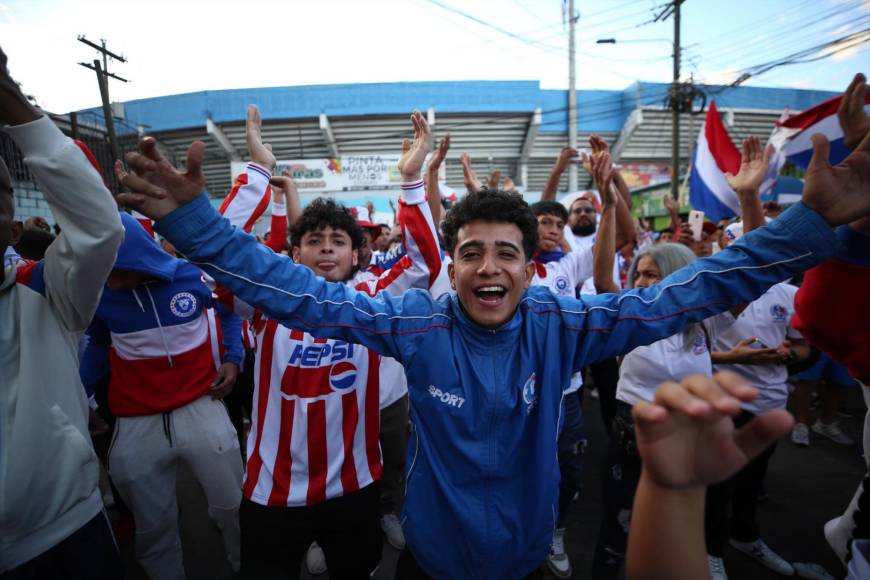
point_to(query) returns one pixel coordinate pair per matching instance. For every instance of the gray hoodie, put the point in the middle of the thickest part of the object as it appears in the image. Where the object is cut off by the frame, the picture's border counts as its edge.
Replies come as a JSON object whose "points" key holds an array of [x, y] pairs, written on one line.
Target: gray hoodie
{"points": [[48, 470]]}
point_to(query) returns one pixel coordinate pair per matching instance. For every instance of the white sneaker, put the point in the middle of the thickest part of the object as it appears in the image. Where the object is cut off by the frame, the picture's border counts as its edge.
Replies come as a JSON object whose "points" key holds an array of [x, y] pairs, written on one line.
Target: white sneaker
{"points": [[762, 553], [717, 568], [833, 432], [393, 531], [800, 435], [315, 561], [557, 560]]}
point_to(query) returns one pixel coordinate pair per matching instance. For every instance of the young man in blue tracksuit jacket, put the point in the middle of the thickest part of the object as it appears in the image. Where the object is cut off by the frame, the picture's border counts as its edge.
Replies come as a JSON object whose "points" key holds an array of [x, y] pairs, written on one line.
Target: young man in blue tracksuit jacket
{"points": [[487, 367]]}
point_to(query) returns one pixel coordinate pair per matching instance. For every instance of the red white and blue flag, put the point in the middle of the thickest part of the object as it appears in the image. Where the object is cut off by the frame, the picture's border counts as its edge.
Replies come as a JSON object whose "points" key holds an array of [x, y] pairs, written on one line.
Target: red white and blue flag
{"points": [[715, 155], [791, 135]]}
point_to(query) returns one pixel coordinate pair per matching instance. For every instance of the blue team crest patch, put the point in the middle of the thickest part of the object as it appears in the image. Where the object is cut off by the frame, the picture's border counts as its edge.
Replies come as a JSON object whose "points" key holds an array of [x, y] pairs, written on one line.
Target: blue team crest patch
{"points": [[530, 395], [183, 304], [699, 346], [562, 284], [342, 376], [778, 312]]}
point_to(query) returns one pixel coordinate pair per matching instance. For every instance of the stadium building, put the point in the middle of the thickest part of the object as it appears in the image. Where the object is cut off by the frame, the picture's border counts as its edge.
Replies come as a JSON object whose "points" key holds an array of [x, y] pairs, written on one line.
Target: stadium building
{"points": [[343, 140]]}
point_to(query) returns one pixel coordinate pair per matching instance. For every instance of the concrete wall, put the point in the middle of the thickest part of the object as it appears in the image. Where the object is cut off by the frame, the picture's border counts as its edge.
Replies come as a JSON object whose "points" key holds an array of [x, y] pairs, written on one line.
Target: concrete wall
{"points": [[29, 202]]}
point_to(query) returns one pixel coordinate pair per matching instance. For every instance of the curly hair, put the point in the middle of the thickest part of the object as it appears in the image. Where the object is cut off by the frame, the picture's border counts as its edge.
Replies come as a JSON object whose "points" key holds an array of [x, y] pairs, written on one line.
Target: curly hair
{"points": [[323, 212], [492, 206], [553, 208]]}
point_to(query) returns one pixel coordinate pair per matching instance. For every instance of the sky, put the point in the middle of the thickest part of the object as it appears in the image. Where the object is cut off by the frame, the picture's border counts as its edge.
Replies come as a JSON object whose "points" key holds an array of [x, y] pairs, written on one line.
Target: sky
{"points": [[177, 46]]}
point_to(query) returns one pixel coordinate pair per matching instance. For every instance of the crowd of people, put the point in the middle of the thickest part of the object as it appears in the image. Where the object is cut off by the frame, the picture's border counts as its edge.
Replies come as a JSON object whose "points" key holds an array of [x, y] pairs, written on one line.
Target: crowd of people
{"points": [[339, 382]]}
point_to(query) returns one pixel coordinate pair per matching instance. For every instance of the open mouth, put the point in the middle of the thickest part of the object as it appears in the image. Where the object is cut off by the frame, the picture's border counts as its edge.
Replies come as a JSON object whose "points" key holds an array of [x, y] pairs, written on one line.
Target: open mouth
{"points": [[326, 266], [491, 295]]}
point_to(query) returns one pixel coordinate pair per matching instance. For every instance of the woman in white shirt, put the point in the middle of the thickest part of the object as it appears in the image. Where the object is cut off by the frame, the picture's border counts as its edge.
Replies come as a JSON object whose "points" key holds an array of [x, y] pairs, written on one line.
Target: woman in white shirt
{"points": [[640, 373]]}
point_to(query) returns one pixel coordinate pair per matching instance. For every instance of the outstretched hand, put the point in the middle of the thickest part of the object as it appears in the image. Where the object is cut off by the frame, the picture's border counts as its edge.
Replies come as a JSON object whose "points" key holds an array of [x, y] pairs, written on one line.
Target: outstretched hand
{"points": [[472, 183], [260, 153], [439, 155], [753, 167], [853, 119], [566, 156], [841, 193], [601, 169], [686, 437], [411, 162], [156, 187]]}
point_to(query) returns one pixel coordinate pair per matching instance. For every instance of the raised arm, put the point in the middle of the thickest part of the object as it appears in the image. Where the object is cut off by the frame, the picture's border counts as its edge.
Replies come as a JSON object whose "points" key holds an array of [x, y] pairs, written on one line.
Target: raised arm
{"points": [[292, 294], [420, 265], [472, 183], [433, 192], [604, 249], [249, 198], [754, 162], [673, 211], [286, 209], [562, 162], [625, 228], [616, 324], [77, 263]]}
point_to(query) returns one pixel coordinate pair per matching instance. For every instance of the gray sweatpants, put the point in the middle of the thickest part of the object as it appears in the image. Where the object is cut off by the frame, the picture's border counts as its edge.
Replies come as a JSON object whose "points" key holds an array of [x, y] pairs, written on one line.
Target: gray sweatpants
{"points": [[143, 460]]}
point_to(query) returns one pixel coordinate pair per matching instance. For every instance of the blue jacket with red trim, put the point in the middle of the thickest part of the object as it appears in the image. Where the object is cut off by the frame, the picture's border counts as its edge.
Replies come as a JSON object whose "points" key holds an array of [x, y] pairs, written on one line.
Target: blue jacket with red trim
{"points": [[483, 475], [161, 339]]}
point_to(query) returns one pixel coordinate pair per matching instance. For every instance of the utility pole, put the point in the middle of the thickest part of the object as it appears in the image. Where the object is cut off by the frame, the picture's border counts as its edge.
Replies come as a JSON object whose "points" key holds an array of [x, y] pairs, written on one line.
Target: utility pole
{"points": [[675, 106], [103, 74], [676, 97], [572, 95]]}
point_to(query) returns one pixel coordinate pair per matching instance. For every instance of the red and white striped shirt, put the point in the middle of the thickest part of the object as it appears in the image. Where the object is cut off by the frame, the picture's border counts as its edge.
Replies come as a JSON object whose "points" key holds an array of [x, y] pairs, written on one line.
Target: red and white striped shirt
{"points": [[316, 410]]}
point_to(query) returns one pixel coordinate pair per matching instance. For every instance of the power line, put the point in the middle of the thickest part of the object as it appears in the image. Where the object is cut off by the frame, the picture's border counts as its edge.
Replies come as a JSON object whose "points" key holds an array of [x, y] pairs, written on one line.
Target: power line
{"points": [[498, 29]]}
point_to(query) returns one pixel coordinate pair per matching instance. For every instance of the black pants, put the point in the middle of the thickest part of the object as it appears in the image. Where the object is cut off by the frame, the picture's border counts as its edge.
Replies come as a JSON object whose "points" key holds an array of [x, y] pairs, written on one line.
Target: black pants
{"points": [[240, 400], [619, 486], [570, 455], [90, 553], [408, 569], [394, 447], [605, 375], [732, 504], [275, 539]]}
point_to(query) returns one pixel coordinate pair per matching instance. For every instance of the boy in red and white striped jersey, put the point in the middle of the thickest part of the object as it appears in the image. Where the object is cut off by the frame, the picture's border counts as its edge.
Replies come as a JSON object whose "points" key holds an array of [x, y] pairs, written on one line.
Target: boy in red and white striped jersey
{"points": [[314, 457]]}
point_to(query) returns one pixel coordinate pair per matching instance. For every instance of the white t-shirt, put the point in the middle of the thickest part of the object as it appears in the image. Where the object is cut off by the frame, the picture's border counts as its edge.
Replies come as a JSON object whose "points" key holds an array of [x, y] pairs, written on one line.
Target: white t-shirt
{"points": [[670, 359], [768, 318], [564, 275], [579, 243], [562, 278]]}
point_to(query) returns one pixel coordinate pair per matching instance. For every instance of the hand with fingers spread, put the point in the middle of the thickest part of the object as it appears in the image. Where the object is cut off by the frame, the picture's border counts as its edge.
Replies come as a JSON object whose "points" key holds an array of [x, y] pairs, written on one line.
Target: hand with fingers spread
{"points": [[155, 187], [472, 183], [754, 161], [411, 162], [260, 153], [686, 437], [841, 193], [853, 119]]}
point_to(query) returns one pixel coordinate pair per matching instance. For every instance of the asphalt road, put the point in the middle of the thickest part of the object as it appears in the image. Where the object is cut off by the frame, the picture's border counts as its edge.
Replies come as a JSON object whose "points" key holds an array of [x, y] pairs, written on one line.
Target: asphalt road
{"points": [[806, 488]]}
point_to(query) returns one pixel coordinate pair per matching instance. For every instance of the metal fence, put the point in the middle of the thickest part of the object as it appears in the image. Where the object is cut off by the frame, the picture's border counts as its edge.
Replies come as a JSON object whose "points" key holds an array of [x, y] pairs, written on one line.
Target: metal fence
{"points": [[96, 140]]}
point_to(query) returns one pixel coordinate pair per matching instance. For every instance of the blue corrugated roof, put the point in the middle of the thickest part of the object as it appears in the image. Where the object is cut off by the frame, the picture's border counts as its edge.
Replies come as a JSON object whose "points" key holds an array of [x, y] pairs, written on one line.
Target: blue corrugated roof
{"points": [[598, 110]]}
